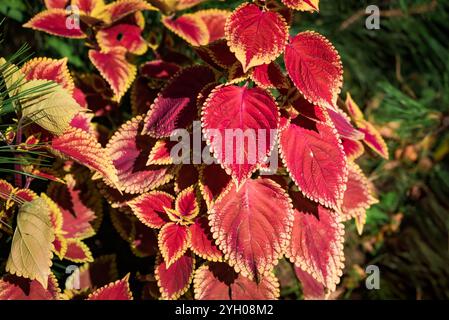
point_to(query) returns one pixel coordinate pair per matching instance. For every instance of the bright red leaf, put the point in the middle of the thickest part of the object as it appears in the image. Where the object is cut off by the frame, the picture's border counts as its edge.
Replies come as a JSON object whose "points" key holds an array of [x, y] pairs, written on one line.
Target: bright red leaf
{"points": [[118, 290], [202, 243], [115, 69], [54, 21], [315, 68], [256, 36], [175, 280], [174, 240], [150, 208], [239, 124]]}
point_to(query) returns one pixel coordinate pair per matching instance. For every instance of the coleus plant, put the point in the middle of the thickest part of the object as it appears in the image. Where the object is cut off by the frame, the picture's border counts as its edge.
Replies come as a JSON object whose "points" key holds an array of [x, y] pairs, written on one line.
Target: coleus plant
{"points": [[223, 224]]}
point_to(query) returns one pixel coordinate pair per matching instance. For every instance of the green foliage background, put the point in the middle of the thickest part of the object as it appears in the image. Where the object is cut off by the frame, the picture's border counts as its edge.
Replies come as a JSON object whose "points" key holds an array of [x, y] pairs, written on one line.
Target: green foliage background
{"points": [[399, 74]]}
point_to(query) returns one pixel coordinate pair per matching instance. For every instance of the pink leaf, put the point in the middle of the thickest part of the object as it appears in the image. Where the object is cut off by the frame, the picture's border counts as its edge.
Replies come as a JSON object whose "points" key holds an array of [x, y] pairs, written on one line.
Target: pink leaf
{"points": [[16, 288], [232, 113], [358, 197], [251, 226], [256, 36], [311, 288], [129, 151], [316, 244]]}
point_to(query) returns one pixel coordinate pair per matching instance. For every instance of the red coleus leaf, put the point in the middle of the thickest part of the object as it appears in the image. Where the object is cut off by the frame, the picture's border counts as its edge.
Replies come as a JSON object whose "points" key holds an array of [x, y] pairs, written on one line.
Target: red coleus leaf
{"points": [[353, 109], [256, 36], [358, 197], [186, 205], [302, 5], [314, 157], [56, 4], [373, 138], [202, 243], [6, 189], [158, 69], [79, 204], [79, 97], [125, 36], [118, 290], [199, 28], [24, 195], [175, 106], [213, 181], [160, 153], [83, 121], [89, 7], [315, 68], [150, 208], [78, 252], [189, 27], [84, 148], [215, 21], [129, 151], [54, 21], [311, 288], [115, 69], [269, 76], [49, 69], [174, 239], [251, 226], [316, 244], [17, 288], [120, 9], [239, 124], [175, 280], [353, 149], [217, 281], [343, 125]]}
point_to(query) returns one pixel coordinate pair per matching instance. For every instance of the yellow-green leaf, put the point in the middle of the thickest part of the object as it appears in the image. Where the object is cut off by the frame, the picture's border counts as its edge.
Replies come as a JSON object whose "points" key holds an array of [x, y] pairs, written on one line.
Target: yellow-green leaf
{"points": [[52, 108], [12, 76], [32, 243]]}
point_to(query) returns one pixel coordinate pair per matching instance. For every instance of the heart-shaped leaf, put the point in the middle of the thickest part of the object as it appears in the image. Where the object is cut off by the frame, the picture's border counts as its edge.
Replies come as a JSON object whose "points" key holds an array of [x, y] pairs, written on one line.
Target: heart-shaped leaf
{"points": [[31, 249], [240, 126], [256, 36]]}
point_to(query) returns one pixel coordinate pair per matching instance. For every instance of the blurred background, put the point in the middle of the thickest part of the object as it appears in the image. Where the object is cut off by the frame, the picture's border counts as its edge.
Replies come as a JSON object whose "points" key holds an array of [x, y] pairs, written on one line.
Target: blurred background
{"points": [[399, 75]]}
